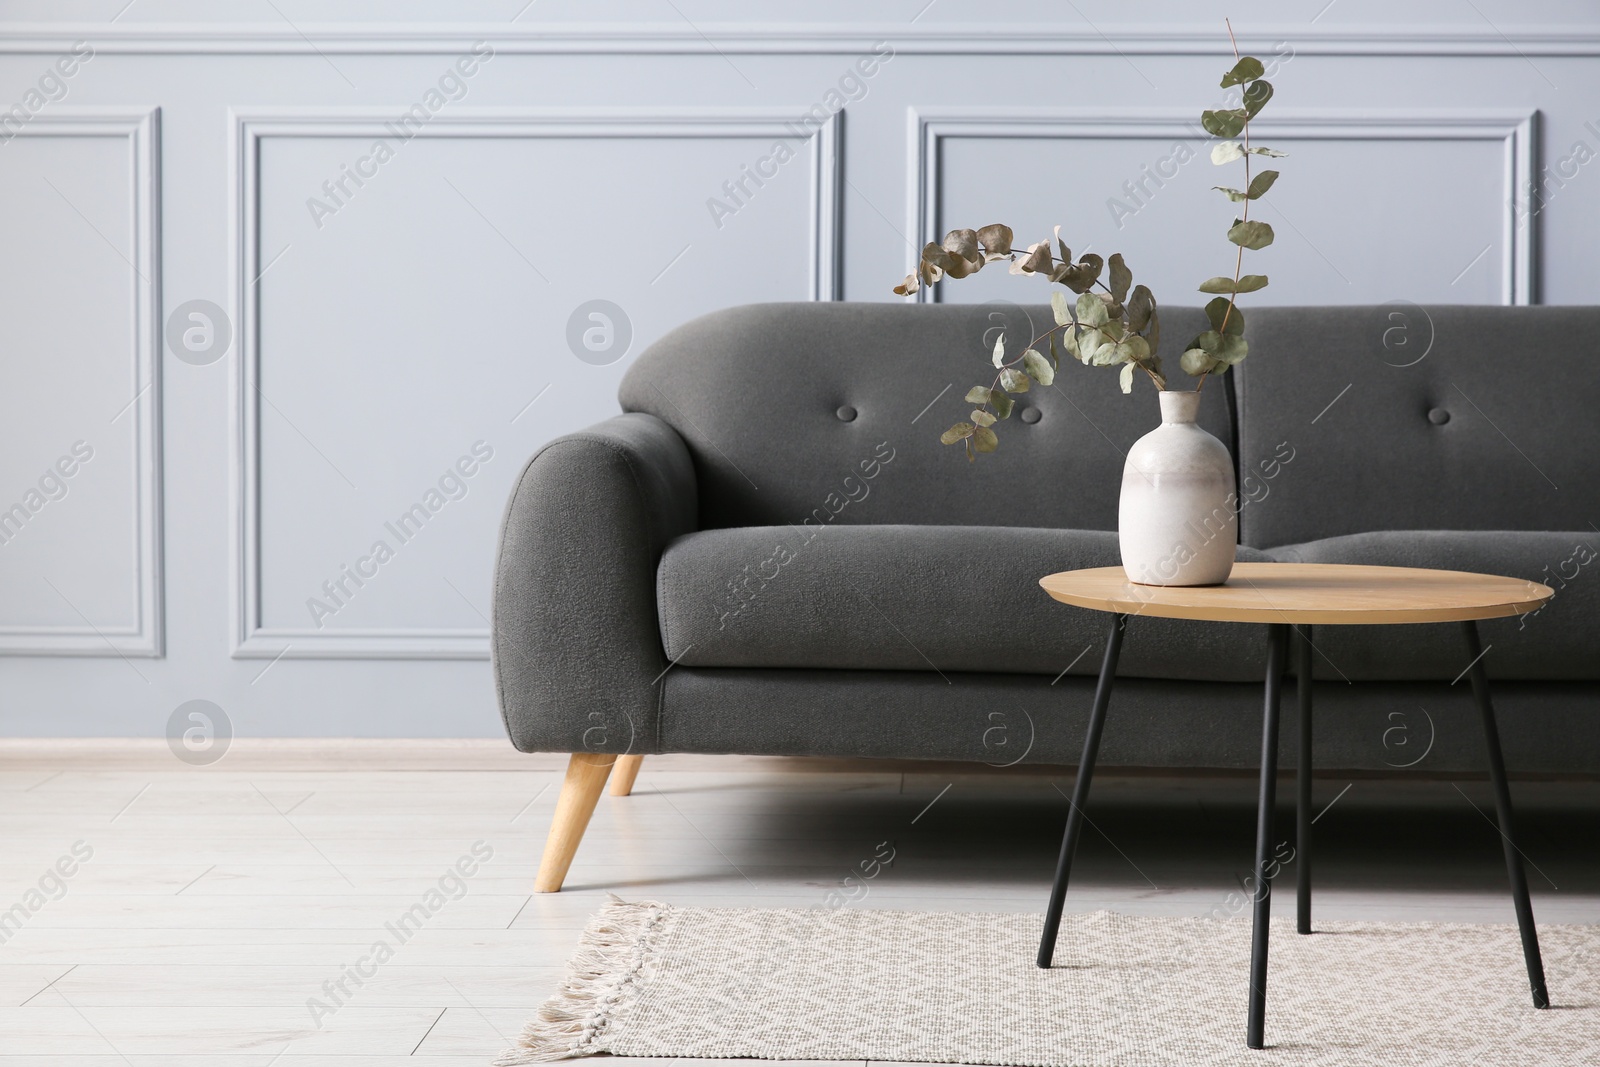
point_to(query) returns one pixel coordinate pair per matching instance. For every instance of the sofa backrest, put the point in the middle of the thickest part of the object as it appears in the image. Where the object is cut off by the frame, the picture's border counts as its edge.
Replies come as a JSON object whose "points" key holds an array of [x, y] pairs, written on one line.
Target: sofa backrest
{"points": [[1408, 418], [835, 409]]}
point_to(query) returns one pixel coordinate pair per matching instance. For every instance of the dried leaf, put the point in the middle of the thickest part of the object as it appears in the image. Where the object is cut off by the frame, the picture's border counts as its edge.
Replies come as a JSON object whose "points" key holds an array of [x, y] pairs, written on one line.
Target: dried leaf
{"points": [[1140, 305], [1013, 380], [1037, 261], [1226, 152], [1121, 278], [996, 240], [1091, 310], [1252, 234], [1038, 367], [1256, 95], [1223, 284], [1196, 361], [959, 432], [1217, 311], [1058, 305], [1224, 123], [984, 440], [1248, 68]]}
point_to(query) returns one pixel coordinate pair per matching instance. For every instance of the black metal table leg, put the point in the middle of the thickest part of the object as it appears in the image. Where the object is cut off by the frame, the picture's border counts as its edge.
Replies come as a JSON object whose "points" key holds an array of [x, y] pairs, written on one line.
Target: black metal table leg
{"points": [[1302, 804], [1277, 649], [1080, 790], [1502, 805]]}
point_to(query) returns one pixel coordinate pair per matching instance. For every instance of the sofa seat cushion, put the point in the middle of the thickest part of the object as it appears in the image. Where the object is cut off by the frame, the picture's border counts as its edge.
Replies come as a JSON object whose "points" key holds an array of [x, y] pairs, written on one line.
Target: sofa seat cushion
{"points": [[1559, 642], [918, 598]]}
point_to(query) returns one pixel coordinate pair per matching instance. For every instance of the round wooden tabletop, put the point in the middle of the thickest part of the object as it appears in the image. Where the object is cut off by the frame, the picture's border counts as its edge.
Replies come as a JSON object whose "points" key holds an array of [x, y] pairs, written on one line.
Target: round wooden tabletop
{"points": [[1317, 593]]}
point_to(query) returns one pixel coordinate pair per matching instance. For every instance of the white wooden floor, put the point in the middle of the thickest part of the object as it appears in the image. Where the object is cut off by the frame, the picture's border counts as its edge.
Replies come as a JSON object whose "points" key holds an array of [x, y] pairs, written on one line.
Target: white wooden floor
{"points": [[218, 900]]}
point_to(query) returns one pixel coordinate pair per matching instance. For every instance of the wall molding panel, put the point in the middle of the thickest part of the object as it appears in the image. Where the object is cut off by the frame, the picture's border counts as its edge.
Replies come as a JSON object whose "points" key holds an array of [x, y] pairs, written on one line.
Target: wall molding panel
{"points": [[1516, 41], [249, 128], [1516, 132], [144, 635]]}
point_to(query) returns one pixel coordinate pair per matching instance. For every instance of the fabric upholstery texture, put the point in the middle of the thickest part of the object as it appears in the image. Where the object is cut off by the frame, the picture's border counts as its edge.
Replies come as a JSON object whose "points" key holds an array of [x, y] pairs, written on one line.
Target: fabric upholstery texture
{"points": [[641, 603], [756, 393], [575, 640], [1560, 641], [916, 598], [1546, 727], [1494, 412]]}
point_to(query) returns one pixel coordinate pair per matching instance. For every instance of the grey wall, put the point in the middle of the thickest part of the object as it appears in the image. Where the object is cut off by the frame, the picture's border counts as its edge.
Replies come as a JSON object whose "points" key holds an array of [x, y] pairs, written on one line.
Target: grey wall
{"points": [[377, 336]]}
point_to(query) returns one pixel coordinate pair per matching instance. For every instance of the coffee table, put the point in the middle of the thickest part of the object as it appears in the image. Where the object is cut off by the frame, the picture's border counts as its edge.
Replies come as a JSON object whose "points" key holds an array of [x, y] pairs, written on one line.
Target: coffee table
{"points": [[1297, 596]]}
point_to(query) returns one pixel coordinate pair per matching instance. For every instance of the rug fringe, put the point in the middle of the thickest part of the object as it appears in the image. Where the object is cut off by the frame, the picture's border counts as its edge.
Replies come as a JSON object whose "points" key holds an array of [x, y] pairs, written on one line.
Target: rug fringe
{"points": [[600, 979]]}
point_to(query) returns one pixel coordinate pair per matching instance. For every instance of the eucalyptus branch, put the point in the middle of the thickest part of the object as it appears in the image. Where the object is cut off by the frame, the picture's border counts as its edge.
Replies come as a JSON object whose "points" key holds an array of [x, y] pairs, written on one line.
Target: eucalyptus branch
{"points": [[1112, 322]]}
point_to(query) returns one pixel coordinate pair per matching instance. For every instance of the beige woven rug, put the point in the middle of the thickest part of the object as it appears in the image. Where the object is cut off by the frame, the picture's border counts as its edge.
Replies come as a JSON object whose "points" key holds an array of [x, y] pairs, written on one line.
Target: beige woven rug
{"points": [[849, 984]]}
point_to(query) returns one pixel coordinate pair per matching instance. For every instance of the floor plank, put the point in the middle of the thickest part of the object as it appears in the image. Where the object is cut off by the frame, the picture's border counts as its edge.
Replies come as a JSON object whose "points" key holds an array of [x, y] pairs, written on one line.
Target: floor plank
{"points": [[221, 905]]}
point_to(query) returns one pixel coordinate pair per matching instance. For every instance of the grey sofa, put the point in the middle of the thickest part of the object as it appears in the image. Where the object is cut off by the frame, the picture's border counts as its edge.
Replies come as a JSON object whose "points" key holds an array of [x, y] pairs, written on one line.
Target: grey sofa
{"points": [[769, 552]]}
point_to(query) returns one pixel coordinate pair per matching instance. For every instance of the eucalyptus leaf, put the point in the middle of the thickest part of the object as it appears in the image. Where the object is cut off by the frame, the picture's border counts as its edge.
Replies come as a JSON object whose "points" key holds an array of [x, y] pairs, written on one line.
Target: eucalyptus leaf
{"points": [[995, 239], [1261, 183], [978, 394], [1066, 253], [1227, 348], [1133, 349], [1256, 95], [1258, 186], [1088, 345], [909, 286], [1080, 277], [1013, 380], [1274, 153], [1224, 123], [1252, 234], [1196, 361], [1140, 305], [1121, 277], [1125, 378], [999, 357], [1001, 403], [982, 417], [1217, 311], [1058, 304], [1109, 354], [1069, 343], [1223, 284], [1037, 261], [1091, 310], [1247, 69], [1038, 367], [984, 440], [959, 432], [962, 243], [1226, 152]]}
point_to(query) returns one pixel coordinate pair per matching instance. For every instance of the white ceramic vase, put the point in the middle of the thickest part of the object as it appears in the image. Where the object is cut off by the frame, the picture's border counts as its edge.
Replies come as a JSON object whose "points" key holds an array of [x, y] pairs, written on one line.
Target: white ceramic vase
{"points": [[1178, 517]]}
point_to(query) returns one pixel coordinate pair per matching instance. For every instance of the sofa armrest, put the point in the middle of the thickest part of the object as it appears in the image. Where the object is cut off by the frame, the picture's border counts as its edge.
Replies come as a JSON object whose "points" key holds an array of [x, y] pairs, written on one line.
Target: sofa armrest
{"points": [[576, 645]]}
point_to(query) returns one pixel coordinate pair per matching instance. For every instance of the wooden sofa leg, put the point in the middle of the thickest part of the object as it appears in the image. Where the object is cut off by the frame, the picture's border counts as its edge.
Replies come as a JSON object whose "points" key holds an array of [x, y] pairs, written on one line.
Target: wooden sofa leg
{"points": [[586, 777], [622, 778]]}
